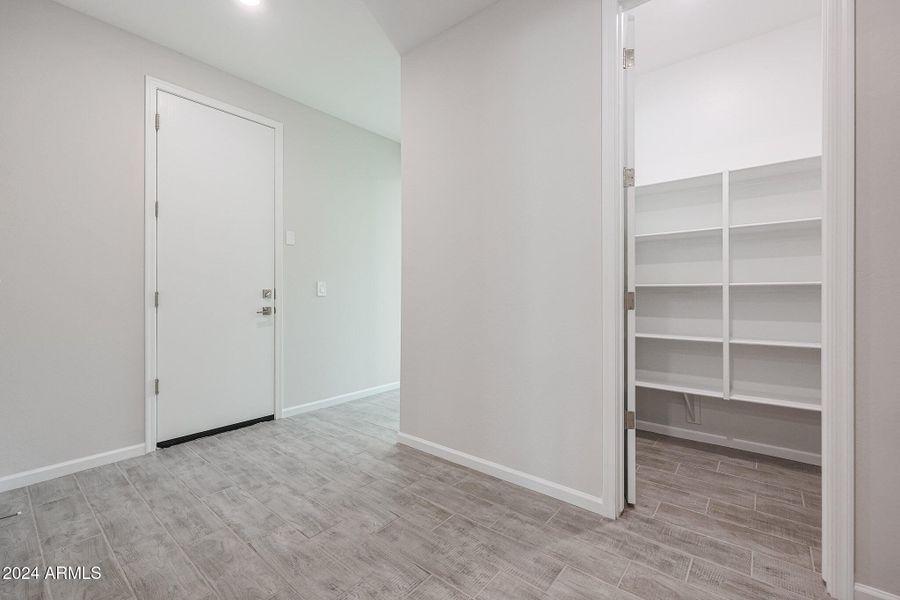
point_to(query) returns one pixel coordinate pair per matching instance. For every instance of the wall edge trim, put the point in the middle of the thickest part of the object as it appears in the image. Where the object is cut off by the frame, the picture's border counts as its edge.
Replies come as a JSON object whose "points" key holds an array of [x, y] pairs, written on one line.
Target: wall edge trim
{"points": [[526, 480], [47, 472], [298, 409], [867, 592], [720, 440]]}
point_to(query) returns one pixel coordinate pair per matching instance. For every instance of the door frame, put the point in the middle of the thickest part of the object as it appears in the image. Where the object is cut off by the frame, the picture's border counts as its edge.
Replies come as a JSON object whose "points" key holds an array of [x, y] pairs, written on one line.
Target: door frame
{"points": [[152, 86], [838, 152]]}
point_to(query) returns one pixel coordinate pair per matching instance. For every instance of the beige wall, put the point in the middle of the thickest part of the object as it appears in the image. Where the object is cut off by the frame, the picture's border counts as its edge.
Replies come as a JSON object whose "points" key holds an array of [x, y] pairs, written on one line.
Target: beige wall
{"points": [[501, 252], [877, 294], [72, 236]]}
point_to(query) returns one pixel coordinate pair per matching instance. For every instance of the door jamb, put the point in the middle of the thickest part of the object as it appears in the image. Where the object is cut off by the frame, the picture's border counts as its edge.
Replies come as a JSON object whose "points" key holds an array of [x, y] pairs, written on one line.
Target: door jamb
{"points": [[837, 296], [152, 85], [612, 229]]}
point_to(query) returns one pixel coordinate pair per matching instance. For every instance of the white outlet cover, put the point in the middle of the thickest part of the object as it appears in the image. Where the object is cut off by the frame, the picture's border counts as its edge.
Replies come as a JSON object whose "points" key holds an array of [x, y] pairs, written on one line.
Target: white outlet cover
{"points": [[290, 238], [321, 289]]}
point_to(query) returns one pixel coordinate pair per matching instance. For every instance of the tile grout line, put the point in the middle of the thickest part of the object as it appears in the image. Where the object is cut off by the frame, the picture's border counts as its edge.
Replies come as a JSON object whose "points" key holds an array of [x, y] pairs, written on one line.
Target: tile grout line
{"points": [[694, 556], [418, 585], [730, 488], [37, 535], [442, 522], [105, 538], [717, 520], [624, 571], [489, 582], [557, 576], [558, 510], [764, 514], [755, 528], [448, 584], [810, 550], [738, 477], [168, 533]]}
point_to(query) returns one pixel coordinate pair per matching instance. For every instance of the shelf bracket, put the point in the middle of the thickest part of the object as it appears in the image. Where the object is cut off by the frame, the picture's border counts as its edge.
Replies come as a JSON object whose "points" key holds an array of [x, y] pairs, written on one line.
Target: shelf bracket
{"points": [[692, 408]]}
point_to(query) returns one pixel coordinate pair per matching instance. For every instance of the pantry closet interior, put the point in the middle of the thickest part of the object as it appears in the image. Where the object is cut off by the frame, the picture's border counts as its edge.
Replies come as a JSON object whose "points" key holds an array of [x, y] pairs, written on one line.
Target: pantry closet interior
{"points": [[724, 244]]}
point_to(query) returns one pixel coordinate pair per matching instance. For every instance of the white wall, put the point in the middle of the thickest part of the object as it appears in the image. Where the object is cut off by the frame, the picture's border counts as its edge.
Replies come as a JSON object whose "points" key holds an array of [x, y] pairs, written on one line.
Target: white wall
{"points": [[877, 290], [72, 236], [755, 102], [501, 252]]}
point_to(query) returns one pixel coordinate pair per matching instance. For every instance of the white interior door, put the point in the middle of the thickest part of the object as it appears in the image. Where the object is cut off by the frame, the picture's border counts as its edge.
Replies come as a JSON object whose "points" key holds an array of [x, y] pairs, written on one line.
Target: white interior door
{"points": [[215, 258], [628, 161]]}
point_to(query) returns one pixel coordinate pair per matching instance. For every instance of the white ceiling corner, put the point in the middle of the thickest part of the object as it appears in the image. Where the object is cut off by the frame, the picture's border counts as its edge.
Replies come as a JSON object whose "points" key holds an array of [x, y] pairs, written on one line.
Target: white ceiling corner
{"points": [[410, 23], [669, 31]]}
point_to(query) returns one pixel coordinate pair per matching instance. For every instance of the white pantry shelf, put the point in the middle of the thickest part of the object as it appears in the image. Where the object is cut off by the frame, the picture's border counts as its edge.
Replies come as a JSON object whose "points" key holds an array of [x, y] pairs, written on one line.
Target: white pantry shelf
{"points": [[772, 283], [677, 285], [815, 407], [754, 335], [776, 343], [678, 233], [681, 338], [774, 224], [709, 393], [666, 387]]}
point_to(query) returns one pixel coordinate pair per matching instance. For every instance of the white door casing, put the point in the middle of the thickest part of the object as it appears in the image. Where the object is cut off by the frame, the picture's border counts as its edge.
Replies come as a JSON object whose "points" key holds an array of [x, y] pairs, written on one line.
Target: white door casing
{"points": [[838, 283], [629, 196], [216, 174]]}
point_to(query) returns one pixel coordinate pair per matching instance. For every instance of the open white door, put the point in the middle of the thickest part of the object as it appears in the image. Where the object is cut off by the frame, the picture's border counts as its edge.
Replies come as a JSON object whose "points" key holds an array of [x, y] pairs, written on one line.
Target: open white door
{"points": [[216, 192], [628, 161]]}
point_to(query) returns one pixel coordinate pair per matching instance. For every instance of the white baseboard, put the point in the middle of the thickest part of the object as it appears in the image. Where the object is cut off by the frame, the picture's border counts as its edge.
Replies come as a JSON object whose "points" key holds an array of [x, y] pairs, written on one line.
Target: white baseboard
{"points": [[865, 592], [17, 480], [531, 482], [334, 400], [711, 438]]}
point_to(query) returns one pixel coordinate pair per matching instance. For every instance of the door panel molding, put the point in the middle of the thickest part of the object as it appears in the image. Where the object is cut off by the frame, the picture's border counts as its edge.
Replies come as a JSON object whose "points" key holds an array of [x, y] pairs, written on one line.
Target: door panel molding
{"points": [[152, 86]]}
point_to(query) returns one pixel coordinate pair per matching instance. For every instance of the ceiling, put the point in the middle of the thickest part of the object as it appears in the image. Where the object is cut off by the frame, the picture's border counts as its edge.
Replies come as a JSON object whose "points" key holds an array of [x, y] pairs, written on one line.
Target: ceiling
{"points": [[343, 56], [332, 55], [328, 54], [668, 31], [409, 23]]}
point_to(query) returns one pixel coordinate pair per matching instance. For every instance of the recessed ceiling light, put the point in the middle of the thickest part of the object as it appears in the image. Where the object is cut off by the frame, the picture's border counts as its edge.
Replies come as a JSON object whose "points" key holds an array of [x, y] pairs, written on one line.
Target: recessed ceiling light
{"points": [[250, 2]]}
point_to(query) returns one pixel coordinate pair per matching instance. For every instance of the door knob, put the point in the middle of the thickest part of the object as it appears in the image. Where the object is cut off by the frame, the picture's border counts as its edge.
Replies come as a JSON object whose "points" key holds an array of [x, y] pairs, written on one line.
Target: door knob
{"points": [[266, 310]]}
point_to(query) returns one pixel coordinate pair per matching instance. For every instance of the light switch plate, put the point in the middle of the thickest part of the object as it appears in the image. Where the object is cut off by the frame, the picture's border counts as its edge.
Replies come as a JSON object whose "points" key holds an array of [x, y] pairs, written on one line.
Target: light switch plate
{"points": [[321, 289], [290, 238]]}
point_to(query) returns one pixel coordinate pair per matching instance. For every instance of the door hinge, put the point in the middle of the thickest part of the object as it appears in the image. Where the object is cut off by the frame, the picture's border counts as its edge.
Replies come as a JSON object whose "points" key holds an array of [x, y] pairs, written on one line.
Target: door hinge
{"points": [[156, 299], [628, 177], [629, 300], [157, 121], [630, 419], [628, 58], [156, 386]]}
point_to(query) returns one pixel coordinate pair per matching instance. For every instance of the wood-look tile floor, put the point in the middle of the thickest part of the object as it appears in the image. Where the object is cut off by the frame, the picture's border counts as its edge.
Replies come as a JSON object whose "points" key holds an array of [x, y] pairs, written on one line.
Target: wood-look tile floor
{"points": [[326, 506]]}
